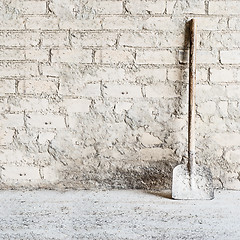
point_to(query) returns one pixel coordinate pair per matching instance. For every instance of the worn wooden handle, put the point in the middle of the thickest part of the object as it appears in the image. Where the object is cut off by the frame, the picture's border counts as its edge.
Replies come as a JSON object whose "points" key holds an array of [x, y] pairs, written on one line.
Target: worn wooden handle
{"points": [[192, 90]]}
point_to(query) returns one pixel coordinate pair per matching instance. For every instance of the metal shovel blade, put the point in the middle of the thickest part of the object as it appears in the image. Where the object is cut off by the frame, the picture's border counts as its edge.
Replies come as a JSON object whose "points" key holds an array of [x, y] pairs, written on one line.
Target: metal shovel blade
{"points": [[197, 185]]}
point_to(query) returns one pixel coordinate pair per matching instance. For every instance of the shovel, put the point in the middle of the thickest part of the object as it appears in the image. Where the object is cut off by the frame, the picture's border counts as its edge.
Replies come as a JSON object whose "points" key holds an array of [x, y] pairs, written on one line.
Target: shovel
{"points": [[192, 181]]}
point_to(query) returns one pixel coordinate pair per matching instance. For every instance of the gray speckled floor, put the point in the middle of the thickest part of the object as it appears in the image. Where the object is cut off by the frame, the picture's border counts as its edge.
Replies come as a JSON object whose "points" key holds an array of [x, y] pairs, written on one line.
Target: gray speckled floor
{"points": [[118, 214]]}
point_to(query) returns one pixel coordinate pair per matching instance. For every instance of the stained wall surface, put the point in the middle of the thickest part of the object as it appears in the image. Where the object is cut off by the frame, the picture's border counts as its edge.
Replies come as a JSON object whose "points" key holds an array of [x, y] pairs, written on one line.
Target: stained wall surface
{"points": [[94, 93]]}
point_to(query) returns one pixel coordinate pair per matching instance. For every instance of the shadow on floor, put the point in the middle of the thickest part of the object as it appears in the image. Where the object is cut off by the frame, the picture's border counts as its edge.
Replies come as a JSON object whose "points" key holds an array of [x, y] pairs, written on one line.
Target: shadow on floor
{"points": [[162, 193]]}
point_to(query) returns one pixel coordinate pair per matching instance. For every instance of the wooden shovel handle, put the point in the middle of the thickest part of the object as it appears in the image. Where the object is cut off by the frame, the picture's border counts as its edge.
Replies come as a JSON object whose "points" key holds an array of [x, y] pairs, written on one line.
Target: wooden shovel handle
{"points": [[192, 91]]}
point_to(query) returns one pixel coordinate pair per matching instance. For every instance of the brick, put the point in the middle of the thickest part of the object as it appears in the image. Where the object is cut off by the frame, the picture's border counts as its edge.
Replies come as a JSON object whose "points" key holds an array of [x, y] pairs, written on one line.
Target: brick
{"points": [[122, 106], [227, 139], [104, 74], [234, 23], [37, 87], [211, 23], [211, 125], [202, 75], [207, 57], [99, 39], [171, 39], [156, 57], [7, 86], [233, 91], [3, 106], [163, 23], [12, 54], [207, 108], [221, 75], [224, 7], [42, 23], [45, 121], [6, 136], [12, 69], [147, 75], [179, 74], [77, 105], [44, 137], [20, 173], [113, 56], [203, 57], [91, 24], [13, 120], [8, 156], [72, 56], [122, 23], [183, 7], [177, 125], [50, 174], [155, 154], [233, 156], [50, 70], [89, 90], [55, 39], [13, 24], [41, 55], [148, 140], [233, 111], [217, 92], [122, 91], [31, 7], [230, 57], [138, 39], [219, 40], [27, 104], [231, 182], [223, 108], [105, 7], [145, 7], [19, 39], [160, 90], [237, 75]]}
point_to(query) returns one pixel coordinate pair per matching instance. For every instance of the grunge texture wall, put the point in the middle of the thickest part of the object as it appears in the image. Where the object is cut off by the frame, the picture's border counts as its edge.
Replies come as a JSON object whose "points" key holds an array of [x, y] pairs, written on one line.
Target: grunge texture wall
{"points": [[94, 93]]}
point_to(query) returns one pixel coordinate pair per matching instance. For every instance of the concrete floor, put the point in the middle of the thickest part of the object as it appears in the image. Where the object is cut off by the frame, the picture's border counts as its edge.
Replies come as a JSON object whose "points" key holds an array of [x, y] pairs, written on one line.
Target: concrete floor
{"points": [[116, 214]]}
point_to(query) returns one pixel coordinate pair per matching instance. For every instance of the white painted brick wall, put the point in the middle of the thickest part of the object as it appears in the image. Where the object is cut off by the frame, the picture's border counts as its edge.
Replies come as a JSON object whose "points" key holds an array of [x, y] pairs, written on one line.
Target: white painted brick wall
{"points": [[89, 89]]}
